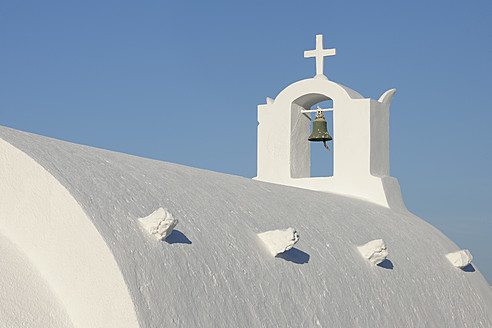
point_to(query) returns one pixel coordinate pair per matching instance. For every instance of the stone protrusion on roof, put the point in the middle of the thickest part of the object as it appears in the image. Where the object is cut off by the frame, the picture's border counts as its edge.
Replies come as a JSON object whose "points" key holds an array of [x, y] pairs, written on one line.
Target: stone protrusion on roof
{"points": [[159, 224], [374, 251], [460, 259], [279, 241]]}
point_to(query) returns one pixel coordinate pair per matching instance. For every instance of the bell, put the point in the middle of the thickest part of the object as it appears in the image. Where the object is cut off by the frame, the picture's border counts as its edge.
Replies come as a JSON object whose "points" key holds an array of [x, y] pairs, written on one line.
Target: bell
{"points": [[320, 130]]}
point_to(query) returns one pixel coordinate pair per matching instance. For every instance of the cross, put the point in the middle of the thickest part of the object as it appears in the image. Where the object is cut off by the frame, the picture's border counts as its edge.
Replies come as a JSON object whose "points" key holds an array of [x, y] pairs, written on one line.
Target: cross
{"points": [[319, 53]]}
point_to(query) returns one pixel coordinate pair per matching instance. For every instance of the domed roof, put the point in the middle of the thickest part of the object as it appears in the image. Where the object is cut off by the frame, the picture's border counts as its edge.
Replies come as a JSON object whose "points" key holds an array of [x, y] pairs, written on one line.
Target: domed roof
{"points": [[215, 272]]}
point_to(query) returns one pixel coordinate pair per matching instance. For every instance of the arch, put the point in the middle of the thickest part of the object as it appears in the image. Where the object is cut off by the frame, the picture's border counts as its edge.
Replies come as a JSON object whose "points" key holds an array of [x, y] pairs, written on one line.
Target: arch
{"points": [[280, 120], [302, 95], [47, 224], [310, 99], [300, 147], [318, 86]]}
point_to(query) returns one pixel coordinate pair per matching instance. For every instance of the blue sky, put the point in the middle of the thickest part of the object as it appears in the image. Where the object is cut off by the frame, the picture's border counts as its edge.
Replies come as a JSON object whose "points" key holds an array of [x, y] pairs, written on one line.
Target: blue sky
{"points": [[180, 82]]}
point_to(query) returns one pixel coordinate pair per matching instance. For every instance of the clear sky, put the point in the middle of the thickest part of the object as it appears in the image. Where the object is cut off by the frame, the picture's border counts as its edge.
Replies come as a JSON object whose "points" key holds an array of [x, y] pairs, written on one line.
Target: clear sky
{"points": [[180, 82]]}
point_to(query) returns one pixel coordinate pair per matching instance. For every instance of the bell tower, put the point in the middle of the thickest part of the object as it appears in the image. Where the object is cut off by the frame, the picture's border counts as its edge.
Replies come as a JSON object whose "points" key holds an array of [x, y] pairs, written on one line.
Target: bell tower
{"points": [[360, 138]]}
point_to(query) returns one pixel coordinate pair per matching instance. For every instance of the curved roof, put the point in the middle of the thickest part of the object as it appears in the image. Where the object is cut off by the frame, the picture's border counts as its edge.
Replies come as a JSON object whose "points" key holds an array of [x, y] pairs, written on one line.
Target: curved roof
{"points": [[214, 271]]}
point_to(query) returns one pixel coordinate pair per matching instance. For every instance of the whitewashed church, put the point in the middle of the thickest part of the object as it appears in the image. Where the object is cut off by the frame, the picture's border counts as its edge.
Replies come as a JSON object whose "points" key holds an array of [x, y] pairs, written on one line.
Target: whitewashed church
{"points": [[94, 238]]}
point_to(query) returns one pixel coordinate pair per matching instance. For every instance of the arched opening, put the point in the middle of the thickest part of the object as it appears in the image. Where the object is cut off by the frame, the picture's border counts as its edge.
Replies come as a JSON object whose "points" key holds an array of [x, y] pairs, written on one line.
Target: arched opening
{"points": [[322, 159], [309, 159]]}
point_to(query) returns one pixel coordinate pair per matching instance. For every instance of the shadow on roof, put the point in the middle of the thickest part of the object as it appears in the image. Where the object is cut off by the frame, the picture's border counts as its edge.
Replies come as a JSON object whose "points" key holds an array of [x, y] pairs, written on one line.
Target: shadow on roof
{"points": [[469, 268], [295, 255], [386, 264], [177, 237]]}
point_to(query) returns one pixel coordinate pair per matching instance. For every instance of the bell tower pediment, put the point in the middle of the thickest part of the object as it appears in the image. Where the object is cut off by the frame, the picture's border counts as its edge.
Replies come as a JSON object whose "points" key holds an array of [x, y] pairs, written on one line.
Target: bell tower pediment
{"points": [[360, 139]]}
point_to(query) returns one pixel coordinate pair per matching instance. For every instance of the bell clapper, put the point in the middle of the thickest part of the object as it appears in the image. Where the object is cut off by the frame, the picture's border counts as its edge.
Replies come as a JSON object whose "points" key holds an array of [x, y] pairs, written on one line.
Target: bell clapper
{"points": [[326, 146]]}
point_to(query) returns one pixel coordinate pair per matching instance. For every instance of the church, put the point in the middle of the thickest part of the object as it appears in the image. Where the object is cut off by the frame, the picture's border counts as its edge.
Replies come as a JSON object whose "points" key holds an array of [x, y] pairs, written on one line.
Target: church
{"points": [[95, 238]]}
